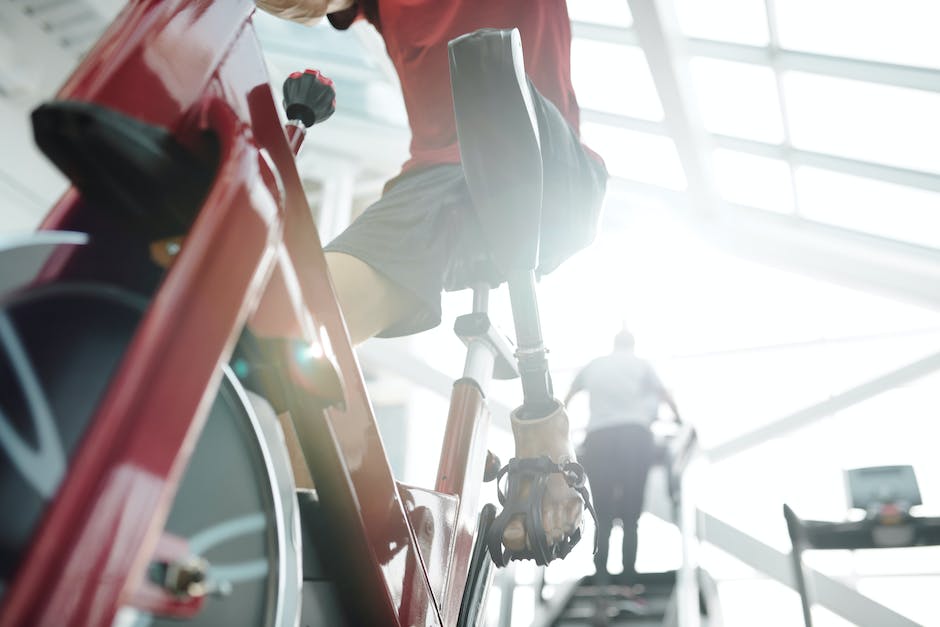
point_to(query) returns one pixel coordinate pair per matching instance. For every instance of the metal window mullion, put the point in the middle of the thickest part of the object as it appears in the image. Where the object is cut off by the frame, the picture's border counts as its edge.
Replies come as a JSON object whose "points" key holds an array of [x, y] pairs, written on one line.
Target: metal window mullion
{"points": [[774, 48], [657, 30], [879, 72], [891, 74], [833, 163]]}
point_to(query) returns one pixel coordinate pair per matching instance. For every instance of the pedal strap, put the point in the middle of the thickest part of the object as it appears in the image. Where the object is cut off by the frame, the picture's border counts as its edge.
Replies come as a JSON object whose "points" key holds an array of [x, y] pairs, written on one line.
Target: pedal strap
{"points": [[536, 470]]}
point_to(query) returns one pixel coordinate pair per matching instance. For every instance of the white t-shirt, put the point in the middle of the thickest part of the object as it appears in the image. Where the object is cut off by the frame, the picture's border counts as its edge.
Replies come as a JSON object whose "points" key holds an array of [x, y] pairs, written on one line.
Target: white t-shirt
{"points": [[623, 389]]}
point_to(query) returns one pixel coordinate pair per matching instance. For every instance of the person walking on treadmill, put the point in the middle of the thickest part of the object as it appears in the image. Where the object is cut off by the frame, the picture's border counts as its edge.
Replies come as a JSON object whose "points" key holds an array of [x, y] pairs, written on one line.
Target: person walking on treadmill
{"points": [[625, 396]]}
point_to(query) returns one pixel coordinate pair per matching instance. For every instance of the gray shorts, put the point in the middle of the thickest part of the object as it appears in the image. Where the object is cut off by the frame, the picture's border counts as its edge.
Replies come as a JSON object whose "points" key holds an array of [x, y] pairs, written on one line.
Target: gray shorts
{"points": [[422, 233]]}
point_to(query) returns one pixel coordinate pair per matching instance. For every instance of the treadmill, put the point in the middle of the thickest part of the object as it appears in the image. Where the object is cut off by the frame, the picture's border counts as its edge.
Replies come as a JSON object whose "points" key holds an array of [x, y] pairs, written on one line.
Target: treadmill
{"points": [[887, 494]]}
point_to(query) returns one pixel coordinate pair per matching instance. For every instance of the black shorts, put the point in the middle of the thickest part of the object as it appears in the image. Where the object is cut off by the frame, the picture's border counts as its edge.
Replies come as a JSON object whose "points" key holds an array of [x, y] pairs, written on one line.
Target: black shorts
{"points": [[422, 233]]}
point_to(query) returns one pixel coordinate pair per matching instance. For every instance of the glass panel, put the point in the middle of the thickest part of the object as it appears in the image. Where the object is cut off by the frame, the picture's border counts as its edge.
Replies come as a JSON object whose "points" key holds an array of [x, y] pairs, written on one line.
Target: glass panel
{"points": [[636, 156], [889, 125], [900, 31], [628, 91], [607, 12], [754, 181], [894, 211], [738, 99], [743, 21]]}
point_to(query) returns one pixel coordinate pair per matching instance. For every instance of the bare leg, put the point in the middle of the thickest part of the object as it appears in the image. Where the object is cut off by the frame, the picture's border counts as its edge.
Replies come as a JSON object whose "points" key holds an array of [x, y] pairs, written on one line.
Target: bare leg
{"points": [[370, 304], [369, 301]]}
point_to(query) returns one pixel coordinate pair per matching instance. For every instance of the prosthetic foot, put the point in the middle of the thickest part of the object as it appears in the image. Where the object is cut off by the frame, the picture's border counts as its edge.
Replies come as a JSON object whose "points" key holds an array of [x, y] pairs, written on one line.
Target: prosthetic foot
{"points": [[545, 495]]}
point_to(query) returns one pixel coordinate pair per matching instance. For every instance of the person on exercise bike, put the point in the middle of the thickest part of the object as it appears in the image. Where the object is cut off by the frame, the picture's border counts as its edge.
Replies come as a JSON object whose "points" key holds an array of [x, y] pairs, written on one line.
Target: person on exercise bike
{"points": [[421, 237], [625, 394]]}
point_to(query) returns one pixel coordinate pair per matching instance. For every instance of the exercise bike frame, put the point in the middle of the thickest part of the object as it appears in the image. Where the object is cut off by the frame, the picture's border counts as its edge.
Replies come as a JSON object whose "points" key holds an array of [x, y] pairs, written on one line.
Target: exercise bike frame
{"points": [[252, 257]]}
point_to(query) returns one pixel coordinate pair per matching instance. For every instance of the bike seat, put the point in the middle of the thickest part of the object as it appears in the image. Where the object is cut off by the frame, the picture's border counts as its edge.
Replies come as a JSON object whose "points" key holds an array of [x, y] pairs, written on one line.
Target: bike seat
{"points": [[499, 144], [140, 172]]}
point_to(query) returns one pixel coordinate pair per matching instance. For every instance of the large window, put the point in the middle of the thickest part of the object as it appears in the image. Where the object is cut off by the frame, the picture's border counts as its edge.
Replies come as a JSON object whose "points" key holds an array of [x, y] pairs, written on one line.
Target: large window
{"points": [[823, 109]]}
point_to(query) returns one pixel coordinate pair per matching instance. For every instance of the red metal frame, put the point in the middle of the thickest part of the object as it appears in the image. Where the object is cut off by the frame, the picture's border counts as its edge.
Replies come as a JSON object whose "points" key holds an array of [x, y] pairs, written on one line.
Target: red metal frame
{"points": [[191, 66], [463, 458]]}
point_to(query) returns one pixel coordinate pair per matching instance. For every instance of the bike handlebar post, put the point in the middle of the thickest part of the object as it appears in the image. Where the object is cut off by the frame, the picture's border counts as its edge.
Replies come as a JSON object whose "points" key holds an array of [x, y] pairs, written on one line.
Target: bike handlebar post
{"points": [[479, 363], [296, 132], [481, 298], [481, 356]]}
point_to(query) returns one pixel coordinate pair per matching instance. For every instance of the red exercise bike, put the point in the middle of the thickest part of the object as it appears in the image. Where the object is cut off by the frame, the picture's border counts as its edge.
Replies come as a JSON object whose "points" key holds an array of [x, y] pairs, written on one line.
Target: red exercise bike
{"points": [[173, 319]]}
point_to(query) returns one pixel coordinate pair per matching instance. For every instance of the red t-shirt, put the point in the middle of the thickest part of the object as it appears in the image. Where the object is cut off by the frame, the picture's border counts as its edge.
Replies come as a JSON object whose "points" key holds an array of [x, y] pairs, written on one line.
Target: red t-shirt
{"points": [[416, 33]]}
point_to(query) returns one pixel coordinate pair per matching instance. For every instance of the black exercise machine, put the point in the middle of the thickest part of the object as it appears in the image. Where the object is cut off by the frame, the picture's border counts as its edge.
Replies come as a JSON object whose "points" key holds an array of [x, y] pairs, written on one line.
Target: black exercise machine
{"points": [[887, 494]]}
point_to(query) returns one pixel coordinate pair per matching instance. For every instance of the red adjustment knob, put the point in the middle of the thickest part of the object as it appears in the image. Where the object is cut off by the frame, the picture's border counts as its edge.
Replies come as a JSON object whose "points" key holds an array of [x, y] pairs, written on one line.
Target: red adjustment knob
{"points": [[309, 97]]}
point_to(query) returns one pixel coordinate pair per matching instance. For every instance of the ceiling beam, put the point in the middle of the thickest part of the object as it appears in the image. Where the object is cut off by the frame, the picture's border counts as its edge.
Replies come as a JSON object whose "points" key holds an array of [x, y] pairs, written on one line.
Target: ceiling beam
{"points": [[810, 415], [893, 269], [657, 29]]}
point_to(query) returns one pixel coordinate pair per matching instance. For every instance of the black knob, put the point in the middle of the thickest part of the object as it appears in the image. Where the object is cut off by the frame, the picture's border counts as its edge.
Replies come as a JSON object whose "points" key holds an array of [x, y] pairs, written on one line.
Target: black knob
{"points": [[491, 469], [309, 97]]}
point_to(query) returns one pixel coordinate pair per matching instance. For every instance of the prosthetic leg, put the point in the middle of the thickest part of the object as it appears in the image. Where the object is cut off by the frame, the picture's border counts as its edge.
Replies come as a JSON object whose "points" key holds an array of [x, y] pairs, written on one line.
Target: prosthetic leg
{"points": [[546, 488]]}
